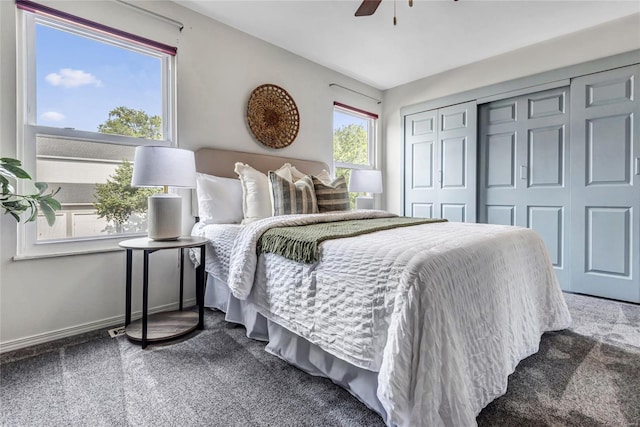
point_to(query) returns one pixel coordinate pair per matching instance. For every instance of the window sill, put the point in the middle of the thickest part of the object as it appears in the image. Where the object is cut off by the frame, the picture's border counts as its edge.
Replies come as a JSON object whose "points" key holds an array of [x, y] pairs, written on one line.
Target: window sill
{"points": [[26, 257], [52, 249]]}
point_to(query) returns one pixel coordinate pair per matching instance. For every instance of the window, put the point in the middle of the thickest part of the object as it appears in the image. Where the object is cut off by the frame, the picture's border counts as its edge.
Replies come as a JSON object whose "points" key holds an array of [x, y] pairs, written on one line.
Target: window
{"points": [[91, 95], [354, 139]]}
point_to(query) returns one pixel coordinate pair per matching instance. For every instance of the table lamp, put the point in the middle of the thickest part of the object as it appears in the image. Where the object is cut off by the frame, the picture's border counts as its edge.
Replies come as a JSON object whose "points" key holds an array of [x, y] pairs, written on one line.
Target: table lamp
{"points": [[365, 181], [164, 167]]}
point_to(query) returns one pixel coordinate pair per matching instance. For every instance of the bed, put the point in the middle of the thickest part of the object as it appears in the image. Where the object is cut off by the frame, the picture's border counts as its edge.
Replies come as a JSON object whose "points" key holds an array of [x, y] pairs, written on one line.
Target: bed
{"points": [[422, 323]]}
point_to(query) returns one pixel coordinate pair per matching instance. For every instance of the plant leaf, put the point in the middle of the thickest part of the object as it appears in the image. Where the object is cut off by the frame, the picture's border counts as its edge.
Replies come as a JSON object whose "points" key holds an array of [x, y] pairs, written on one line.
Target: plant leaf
{"points": [[48, 212], [55, 205], [5, 173], [7, 189], [10, 161], [17, 204], [32, 207], [41, 186], [16, 171]]}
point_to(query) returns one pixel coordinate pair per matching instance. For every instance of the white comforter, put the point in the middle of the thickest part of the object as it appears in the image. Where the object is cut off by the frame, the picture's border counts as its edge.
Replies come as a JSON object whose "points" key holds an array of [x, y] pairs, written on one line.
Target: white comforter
{"points": [[218, 255], [444, 312]]}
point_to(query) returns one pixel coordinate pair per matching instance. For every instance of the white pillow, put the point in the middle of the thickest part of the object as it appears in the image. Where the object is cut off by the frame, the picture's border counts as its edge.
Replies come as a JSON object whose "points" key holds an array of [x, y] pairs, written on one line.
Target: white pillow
{"points": [[323, 176], [219, 199], [256, 191]]}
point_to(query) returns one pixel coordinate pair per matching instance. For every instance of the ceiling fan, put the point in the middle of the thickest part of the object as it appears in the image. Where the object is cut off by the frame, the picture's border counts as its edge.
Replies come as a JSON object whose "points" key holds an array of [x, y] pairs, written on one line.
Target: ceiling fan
{"points": [[368, 7]]}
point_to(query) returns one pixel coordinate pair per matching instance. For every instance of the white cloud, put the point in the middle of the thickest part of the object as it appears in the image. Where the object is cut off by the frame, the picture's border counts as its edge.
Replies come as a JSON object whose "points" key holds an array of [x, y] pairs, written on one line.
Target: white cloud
{"points": [[68, 77], [52, 116]]}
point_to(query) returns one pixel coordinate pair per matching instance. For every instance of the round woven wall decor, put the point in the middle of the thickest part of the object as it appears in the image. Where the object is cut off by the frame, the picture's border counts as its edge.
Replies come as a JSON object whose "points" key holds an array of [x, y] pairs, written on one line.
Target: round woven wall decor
{"points": [[273, 116]]}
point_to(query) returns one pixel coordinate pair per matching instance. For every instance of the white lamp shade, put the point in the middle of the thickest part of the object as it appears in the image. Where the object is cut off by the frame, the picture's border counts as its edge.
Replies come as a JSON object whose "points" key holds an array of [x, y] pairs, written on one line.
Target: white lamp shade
{"points": [[365, 181], [160, 166]]}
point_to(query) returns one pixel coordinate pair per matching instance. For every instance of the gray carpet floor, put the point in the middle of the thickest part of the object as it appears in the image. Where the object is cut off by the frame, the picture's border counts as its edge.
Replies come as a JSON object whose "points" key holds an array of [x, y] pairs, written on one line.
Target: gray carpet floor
{"points": [[588, 375]]}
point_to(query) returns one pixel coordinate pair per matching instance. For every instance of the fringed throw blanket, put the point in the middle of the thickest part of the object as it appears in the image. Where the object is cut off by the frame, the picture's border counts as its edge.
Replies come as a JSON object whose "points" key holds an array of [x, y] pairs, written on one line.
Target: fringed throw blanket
{"points": [[301, 243]]}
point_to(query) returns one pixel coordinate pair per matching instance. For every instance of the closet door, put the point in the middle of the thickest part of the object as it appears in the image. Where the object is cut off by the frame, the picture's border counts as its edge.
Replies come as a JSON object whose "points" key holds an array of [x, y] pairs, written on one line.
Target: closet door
{"points": [[605, 177], [499, 160], [524, 163], [440, 163], [457, 160], [420, 192]]}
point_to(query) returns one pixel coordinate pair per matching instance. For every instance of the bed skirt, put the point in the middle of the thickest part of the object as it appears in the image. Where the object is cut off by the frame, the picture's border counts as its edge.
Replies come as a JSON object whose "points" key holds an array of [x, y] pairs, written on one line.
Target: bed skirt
{"points": [[217, 296], [293, 349]]}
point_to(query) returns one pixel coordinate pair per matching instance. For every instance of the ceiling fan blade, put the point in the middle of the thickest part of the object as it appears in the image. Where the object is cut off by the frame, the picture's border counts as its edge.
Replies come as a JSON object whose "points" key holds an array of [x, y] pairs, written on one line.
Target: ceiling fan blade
{"points": [[368, 7]]}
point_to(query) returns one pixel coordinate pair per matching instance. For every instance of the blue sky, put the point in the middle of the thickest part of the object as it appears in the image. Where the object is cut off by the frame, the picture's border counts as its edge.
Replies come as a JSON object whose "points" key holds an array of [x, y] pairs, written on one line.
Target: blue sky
{"points": [[80, 80], [342, 119]]}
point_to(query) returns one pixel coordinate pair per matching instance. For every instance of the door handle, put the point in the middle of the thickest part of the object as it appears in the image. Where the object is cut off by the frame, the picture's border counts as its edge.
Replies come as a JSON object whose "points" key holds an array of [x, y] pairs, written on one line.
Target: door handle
{"points": [[523, 172], [637, 165]]}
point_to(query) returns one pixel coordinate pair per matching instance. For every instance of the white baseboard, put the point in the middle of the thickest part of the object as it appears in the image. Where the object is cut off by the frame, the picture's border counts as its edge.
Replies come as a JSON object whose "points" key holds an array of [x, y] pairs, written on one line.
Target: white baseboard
{"points": [[85, 327]]}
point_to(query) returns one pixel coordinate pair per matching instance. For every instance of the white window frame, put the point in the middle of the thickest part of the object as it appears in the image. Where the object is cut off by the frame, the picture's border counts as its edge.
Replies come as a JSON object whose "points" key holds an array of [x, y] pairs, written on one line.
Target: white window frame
{"points": [[28, 245], [372, 138]]}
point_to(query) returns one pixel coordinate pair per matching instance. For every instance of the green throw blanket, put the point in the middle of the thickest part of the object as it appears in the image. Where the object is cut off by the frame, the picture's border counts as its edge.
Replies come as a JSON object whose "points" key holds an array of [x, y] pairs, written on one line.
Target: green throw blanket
{"points": [[301, 242]]}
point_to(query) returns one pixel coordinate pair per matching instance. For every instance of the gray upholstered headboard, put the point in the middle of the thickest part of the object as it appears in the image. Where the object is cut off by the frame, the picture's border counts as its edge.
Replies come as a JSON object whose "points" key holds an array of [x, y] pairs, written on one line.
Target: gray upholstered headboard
{"points": [[214, 161], [218, 162]]}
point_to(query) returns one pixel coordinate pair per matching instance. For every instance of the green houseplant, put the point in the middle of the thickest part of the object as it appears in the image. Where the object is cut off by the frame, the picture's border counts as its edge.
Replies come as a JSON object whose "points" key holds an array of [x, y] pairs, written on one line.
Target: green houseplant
{"points": [[17, 204]]}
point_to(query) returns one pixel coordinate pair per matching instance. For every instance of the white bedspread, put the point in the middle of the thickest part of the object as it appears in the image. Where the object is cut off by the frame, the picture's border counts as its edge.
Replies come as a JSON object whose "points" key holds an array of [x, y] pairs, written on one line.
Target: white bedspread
{"points": [[218, 255], [444, 311]]}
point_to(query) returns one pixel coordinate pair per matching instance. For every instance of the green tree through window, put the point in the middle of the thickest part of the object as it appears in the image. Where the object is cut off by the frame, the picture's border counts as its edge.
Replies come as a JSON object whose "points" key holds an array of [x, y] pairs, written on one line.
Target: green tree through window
{"points": [[129, 122], [117, 200], [351, 145]]}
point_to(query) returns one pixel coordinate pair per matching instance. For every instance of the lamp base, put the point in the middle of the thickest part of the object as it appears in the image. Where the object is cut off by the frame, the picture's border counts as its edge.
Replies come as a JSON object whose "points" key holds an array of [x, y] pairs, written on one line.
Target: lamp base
{"points": [[363, 202], [165, 216]]}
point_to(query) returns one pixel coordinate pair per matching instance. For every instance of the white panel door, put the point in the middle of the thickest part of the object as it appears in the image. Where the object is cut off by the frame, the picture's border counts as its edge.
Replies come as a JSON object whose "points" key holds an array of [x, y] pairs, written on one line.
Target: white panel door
{"points": [[524, 164], [440, 163], [420, 191], [457, 162], [605, 198]]}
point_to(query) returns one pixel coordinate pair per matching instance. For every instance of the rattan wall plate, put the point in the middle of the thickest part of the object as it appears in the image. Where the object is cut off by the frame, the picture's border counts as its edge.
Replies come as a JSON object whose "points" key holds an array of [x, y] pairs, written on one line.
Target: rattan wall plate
{"points": [[273, 116]]}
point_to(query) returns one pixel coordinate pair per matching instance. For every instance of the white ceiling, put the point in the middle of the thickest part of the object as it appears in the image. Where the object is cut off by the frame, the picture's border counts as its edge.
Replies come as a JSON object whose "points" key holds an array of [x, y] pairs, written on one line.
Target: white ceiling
{"points": [[431, 37]]}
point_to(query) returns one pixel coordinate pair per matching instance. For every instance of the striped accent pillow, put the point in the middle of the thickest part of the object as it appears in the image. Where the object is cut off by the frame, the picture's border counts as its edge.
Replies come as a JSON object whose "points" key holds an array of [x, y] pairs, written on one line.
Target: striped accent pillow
{"points": [[332, 197], [292, 198]]}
